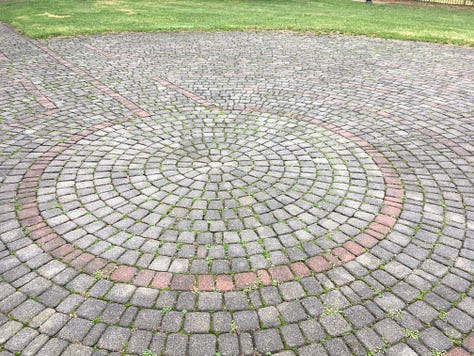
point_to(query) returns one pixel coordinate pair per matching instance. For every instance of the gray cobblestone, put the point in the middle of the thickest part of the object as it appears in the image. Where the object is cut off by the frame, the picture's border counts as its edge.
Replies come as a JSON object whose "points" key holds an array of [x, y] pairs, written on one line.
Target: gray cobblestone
{"points": [[389, 330], [210, 301], [94, 334], [334, 324], [54, 324], [292, 312], [78, 350], [54, 347], [202, 344], [9, 329], [292, 336], [75, 329], [314, 349], [228, 345], [400, 349], [176, 344], [197, 322], [268, 341], [27, 310], [35, 345], [148, 319], [139, 341], [18, 342], [114, 338], [337, 346], [356, 199]]}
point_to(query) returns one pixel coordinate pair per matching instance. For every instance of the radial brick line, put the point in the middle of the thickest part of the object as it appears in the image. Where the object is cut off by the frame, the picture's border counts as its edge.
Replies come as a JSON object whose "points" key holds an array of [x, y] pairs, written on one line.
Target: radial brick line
{"points": [[40, 97], [46, 103], [105, 89], [455, 147], [98, 50], [194, 97]]}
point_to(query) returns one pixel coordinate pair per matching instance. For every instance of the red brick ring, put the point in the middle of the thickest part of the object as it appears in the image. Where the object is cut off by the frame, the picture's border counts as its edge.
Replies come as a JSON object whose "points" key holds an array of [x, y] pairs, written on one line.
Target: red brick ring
{"points": [[43, 235]]}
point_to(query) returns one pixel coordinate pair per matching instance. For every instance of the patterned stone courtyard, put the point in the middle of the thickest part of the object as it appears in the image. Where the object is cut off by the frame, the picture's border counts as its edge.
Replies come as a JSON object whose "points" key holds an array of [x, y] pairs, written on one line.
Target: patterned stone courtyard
{"points": [[235, 193]]}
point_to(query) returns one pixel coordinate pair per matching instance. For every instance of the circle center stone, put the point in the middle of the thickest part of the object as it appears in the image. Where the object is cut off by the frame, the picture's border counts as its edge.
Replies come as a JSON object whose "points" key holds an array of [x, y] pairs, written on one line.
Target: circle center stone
{"points": [[216, 164]]}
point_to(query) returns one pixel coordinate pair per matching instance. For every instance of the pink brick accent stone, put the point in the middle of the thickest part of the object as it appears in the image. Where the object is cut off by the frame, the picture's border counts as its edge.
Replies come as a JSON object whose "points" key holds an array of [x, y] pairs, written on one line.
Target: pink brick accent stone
{"points": [[343, 254], [82, 260], [318, 264], [63, 250], [385, 220], [281, 273], [95, 265], [224, 283], [457, 351], [161, 280], [300, 269], [243, 280], [123, 274], [182, 282], [264, 277], [333, 260], [205, 282], [143, 278], [354, 248]]}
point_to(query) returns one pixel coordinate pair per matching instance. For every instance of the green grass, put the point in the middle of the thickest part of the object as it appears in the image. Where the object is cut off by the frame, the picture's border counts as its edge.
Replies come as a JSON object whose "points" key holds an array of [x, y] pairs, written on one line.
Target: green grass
{"points": [[44, 18]]}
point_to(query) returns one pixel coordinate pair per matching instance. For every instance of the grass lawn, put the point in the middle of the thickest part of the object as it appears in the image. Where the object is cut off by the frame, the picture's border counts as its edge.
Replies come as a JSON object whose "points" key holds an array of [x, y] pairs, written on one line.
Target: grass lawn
{"points": [[43, 18]]}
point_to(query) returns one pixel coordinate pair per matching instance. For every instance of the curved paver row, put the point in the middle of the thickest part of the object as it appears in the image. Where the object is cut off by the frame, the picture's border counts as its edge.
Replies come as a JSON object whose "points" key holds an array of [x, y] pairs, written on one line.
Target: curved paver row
{"points": [[209, 209], [289, 196]]}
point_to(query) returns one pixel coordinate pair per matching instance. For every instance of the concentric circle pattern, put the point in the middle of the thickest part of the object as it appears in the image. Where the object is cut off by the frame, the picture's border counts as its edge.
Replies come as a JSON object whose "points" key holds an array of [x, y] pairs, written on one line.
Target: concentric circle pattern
{"points": [[235, 194], [215, 193]]}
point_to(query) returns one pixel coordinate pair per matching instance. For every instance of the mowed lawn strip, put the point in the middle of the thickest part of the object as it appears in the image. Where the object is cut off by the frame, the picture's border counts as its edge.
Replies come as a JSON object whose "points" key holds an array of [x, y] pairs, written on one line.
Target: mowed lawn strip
{"points": [[44, 18]]}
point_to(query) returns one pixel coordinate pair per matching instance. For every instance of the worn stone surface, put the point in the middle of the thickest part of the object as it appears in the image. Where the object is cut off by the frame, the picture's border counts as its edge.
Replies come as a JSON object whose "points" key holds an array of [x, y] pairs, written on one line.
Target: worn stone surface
{"points": [[237, 193]]}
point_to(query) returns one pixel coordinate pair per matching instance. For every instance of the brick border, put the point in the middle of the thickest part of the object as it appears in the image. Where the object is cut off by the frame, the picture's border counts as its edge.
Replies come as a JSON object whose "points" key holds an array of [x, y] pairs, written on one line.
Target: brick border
{"points": [[34, 225], [32, 222], [102, 87], [194, 97], [39, 96]]}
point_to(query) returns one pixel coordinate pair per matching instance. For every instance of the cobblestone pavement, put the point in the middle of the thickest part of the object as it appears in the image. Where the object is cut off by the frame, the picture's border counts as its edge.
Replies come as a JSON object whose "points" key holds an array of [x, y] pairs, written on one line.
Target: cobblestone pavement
{"points": [[235, 193]]}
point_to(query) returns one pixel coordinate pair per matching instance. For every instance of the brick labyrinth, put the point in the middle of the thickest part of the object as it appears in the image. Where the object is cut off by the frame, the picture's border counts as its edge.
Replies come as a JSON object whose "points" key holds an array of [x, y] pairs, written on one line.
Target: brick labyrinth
{"points": [[185, 194]]}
